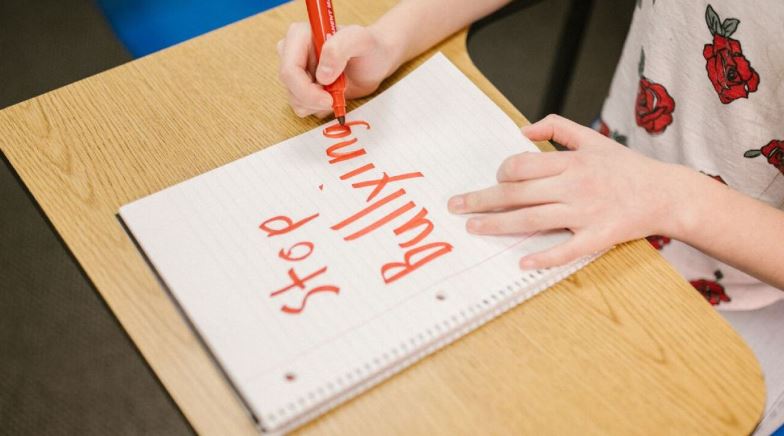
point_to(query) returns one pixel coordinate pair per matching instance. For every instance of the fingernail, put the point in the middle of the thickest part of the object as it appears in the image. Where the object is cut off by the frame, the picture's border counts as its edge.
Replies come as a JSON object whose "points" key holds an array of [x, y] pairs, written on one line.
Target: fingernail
{"points": [[473, 225], [527, 263], [324, 71], [456, 204], [326, 102]]}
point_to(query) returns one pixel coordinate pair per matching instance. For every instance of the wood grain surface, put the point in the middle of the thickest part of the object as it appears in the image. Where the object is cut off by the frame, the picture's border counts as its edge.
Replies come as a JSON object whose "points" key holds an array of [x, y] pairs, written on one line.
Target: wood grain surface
{"points": [[624, 346]]}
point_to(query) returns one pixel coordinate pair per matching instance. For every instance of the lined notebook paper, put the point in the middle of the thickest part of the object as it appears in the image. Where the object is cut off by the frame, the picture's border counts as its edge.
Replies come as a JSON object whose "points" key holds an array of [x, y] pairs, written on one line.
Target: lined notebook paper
{"points": [[319, 266]]}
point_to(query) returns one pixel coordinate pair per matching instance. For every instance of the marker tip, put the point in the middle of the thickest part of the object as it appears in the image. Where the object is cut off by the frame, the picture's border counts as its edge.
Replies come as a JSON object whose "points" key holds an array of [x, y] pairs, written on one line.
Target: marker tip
{"points": [[342, 120]]}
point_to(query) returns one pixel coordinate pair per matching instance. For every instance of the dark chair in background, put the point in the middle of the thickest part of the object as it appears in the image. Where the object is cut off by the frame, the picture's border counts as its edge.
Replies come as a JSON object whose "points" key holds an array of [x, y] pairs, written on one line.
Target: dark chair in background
{"points": [[566, 51]]}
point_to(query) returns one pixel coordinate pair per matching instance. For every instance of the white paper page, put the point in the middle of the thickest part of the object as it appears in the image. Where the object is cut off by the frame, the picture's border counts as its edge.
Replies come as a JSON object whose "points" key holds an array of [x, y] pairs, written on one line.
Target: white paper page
{"points": [[203, 236]]}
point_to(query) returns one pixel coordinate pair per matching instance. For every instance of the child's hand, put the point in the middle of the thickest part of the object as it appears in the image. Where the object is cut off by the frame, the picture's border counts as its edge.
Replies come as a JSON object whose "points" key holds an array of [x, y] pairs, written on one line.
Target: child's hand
{"points": [[363, 55], [600, 190]]}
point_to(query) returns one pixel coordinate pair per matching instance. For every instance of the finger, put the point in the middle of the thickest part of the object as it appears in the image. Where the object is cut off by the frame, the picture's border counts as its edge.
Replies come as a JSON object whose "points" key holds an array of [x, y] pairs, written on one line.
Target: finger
{"points": [[303, 109], [305, 92], [347, 43], [527, 166], [312, 63], [293, 74], [295, 100], [576, 247], [322, 114], [506, 196], [525, 220], [559, 129], [294, 47]]}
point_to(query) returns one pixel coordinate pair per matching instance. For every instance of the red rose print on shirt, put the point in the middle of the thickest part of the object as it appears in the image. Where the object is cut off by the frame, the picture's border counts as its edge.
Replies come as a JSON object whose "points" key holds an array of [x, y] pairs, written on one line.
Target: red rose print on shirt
{"points": [[773, 151], [654, 107], [712, 290], [604, 129], [716, 177], [658, 241], [728, 70]]}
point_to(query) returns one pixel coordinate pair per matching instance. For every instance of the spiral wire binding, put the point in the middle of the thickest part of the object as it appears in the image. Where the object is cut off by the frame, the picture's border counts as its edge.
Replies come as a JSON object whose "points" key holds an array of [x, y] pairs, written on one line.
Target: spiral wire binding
{"points": [[450, 328]]}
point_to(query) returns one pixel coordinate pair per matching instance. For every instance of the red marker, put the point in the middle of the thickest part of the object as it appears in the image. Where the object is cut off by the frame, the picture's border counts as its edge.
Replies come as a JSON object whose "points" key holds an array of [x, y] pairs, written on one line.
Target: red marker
{"points": [[322, 25]]}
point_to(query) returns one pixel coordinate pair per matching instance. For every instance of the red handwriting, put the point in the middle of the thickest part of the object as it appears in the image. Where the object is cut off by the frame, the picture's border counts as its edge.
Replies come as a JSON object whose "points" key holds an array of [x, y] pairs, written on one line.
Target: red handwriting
{"points": [[298, 282], [418, 220], [400, 269], [289, 254], [383, 192], [382, 181], [297, 252], [369, 209], [337, 155], [341, 131], [417, 251], [289, 225]]}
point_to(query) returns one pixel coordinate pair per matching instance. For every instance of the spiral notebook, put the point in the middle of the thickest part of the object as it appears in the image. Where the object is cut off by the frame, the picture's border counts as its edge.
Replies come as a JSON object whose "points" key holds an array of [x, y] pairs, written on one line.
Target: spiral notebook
{"points": [[317, 267]]}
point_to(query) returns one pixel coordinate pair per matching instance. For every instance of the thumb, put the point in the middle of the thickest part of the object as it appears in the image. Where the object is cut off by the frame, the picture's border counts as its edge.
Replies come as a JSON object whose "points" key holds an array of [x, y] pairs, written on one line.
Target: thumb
{"points": [[577, 246], [346, 43], [557, 128]]}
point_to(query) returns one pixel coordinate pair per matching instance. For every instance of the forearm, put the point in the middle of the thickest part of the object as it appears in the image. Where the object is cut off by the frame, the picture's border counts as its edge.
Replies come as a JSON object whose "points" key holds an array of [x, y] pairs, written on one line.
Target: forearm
{"points": [[732, 227], [414, 26]]}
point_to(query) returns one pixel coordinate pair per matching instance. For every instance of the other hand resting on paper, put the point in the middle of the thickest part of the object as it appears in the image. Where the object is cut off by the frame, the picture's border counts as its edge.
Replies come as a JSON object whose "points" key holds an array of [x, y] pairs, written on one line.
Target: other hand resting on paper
{"points": [[606, 194], [600, 190]]}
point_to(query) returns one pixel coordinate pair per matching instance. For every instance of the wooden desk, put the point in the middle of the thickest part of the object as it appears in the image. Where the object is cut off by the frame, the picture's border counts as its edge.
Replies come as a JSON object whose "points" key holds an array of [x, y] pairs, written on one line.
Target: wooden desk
{"points": [[624, 346]]}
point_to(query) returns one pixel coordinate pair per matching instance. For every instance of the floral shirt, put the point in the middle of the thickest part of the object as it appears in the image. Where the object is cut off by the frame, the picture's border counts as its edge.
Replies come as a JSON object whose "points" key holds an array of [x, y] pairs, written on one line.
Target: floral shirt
{"points": [[701, 83]]}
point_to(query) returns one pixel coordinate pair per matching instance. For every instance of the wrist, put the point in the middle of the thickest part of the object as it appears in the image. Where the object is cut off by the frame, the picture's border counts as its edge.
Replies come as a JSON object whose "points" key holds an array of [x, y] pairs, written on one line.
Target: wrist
{"points": [[691, 194], [392, 43]]}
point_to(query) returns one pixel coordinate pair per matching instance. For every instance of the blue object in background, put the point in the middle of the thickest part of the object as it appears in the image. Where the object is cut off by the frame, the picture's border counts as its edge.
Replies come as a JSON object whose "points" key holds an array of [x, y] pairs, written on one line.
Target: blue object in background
{"points": [[145, 26], [779, 432]]}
